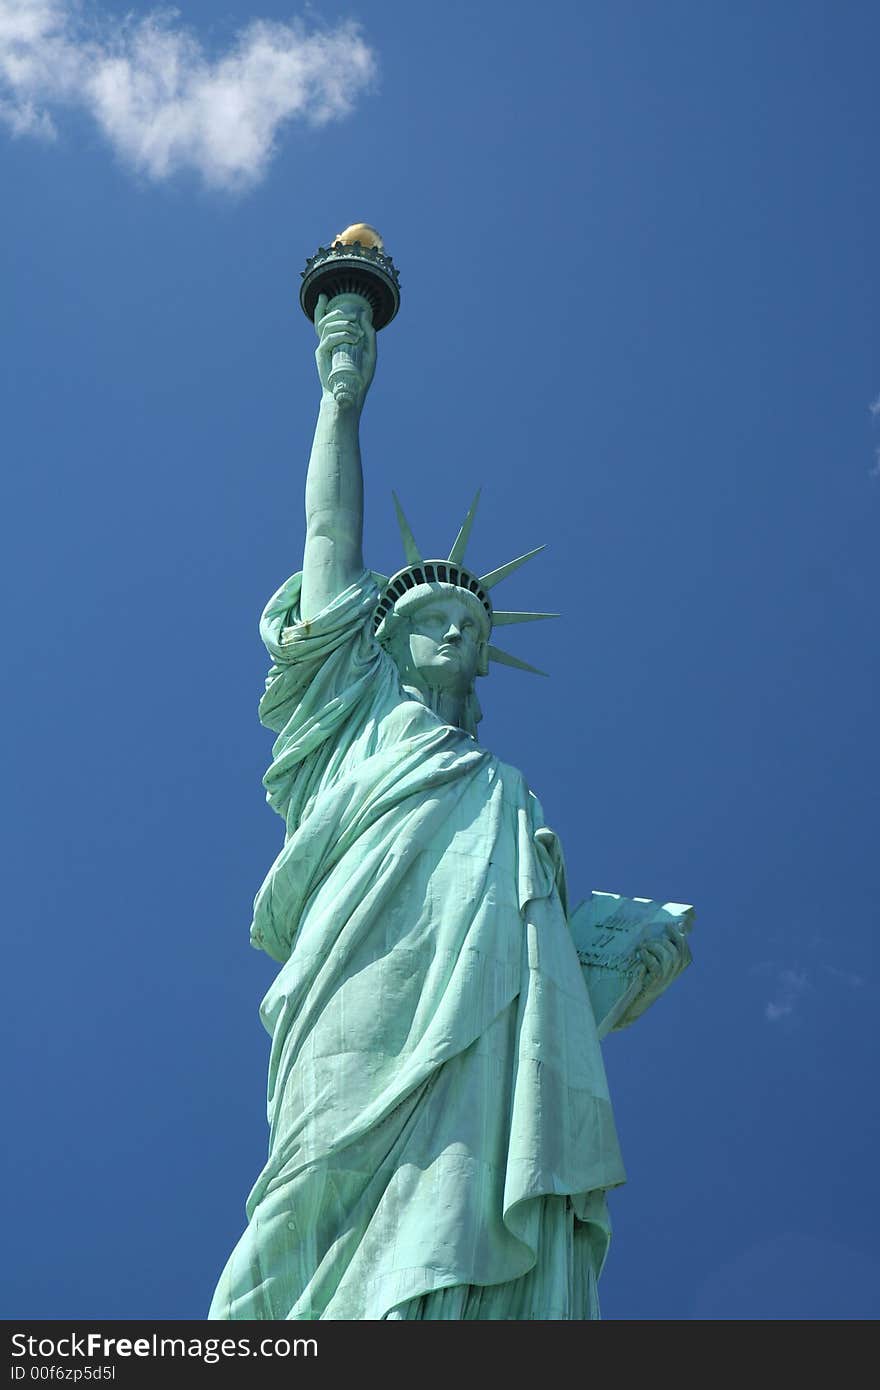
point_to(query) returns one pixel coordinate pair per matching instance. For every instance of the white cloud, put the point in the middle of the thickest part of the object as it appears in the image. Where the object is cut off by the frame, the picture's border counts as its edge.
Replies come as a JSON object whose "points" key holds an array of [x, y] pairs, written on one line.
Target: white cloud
{"points": [[162, 103], [874, 407]]}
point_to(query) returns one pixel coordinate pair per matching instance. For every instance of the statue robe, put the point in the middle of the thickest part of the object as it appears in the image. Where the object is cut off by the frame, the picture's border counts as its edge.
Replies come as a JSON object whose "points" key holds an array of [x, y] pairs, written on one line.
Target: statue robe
{"points": [[441, 1136]]}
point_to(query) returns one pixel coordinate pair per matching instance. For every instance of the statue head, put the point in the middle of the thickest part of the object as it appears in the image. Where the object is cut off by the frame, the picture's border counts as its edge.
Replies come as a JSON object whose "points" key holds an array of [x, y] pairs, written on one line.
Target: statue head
{"points": [[438, 638], [435, 619]]}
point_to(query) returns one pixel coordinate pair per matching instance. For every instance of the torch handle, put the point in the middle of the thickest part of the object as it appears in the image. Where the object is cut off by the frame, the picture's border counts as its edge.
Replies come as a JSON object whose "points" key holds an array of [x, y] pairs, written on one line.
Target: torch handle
{"points": [[345, 379]]}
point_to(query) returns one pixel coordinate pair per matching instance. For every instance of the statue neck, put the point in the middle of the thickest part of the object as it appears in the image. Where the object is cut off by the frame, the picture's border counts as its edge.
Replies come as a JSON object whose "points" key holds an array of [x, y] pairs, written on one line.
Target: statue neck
{"points": [[449, 707]]}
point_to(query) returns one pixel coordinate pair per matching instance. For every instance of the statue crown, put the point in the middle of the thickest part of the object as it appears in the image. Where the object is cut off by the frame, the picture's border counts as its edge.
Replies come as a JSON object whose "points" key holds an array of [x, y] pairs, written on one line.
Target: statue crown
{"points": [[419, 572]]}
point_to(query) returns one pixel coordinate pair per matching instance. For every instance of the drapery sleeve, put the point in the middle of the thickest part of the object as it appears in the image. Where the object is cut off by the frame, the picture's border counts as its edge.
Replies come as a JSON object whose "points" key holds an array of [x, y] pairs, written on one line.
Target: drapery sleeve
{"points": [[327, 670]]}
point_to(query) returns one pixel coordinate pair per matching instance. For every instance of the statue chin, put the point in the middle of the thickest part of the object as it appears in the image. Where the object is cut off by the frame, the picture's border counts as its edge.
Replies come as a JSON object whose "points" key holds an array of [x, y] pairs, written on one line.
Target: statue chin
{"points": [[444, 675]]}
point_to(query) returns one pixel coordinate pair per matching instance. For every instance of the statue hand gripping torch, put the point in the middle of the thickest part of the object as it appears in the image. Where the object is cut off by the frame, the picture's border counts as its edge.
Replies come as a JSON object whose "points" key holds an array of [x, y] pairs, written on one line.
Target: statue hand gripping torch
{"points": [[356, 276]]}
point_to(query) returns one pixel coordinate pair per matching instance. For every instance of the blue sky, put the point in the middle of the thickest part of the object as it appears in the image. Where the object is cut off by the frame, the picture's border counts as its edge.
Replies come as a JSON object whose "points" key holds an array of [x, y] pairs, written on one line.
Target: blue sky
{"points": [[638, 250]]}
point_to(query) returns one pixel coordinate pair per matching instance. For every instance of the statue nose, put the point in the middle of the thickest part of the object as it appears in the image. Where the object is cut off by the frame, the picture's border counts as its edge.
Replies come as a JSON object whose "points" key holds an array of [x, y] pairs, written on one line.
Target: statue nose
{"points": [[452, 633]]}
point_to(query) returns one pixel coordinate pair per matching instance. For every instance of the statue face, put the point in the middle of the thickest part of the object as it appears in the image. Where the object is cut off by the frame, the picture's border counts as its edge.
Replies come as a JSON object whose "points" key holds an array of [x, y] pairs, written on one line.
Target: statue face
{"points": [[443, 644]]}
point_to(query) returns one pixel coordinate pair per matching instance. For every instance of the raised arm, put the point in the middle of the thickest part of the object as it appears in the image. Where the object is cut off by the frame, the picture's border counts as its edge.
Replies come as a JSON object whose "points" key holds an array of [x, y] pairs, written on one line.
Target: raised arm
{"points": [[333, 556]]}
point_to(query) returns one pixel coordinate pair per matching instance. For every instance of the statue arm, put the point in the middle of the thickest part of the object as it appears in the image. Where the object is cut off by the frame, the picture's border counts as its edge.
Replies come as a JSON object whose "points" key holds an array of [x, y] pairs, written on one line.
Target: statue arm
{"points": [[333, 557]]}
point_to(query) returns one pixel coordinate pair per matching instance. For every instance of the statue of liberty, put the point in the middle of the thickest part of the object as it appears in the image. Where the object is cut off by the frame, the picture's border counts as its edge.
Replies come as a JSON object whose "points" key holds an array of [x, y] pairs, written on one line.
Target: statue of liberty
{"points": [[441, 1134]]}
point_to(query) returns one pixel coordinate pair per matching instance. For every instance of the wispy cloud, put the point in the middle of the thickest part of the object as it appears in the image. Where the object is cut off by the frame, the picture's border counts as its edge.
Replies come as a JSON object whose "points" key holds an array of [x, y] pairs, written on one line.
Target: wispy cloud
{"points": [[874, 471], [161, 101], [847, 977], [791, 985]]}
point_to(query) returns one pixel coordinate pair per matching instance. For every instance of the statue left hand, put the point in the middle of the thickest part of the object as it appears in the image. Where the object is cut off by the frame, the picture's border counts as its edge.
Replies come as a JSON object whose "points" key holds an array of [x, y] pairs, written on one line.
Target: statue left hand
{"points": [[664, 958]]}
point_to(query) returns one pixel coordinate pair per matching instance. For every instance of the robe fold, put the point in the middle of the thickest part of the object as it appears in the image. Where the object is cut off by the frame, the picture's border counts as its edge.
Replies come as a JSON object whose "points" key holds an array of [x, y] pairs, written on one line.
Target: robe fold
{"points": [[441, 1135]]}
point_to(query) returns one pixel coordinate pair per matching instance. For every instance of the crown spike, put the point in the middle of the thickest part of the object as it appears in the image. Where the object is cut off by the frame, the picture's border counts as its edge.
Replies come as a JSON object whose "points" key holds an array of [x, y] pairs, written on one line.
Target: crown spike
{"points": [[505, 659], [502, 619], [456, 554], [488, 581], [410, 549]]}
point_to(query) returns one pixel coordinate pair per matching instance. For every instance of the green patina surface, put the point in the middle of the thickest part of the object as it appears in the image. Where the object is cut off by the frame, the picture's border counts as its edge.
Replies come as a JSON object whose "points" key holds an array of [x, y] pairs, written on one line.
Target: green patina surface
{"points": [[441, 1134]]}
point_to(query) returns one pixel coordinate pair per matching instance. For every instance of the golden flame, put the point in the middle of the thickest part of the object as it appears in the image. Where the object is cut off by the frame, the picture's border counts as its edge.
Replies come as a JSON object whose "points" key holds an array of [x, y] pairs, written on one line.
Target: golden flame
{"points": [[362, 232]]}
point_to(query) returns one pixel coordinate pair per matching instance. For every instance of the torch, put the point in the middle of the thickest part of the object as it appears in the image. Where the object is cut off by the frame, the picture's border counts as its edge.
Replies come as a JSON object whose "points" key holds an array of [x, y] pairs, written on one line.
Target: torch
{"points": [[356, 275]]}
